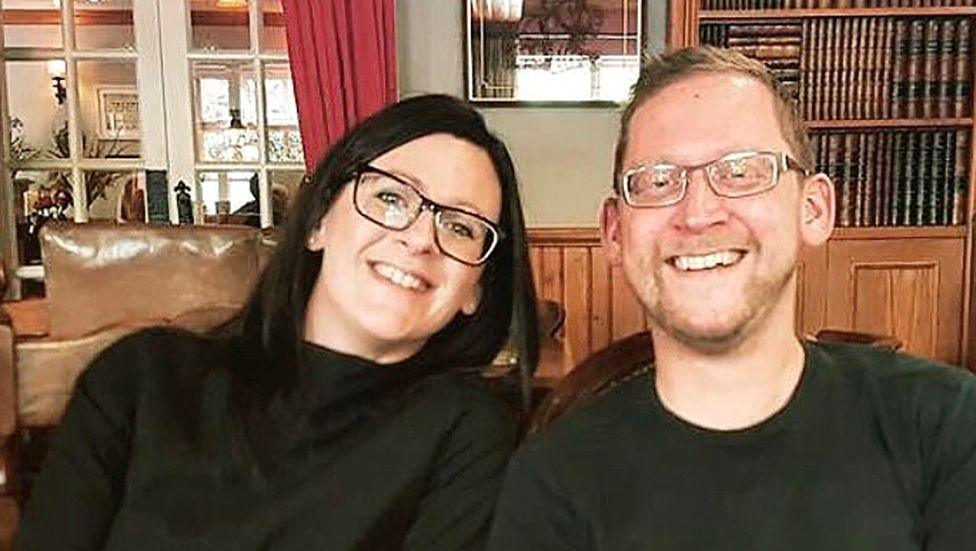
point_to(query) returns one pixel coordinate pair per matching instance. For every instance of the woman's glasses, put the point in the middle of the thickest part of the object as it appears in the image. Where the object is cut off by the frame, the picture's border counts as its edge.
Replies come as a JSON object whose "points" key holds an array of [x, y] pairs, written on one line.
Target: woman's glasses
{"points": [[393, 203]]}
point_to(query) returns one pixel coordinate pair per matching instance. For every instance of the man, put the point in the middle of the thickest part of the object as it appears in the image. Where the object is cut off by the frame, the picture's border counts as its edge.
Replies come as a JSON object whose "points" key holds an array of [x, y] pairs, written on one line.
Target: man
{"points": [[739, 436]]}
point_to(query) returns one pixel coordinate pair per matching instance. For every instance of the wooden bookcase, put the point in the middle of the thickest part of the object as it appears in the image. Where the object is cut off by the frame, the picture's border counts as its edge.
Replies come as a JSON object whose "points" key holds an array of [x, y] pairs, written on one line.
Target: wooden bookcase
{"points": [[915, 279]]}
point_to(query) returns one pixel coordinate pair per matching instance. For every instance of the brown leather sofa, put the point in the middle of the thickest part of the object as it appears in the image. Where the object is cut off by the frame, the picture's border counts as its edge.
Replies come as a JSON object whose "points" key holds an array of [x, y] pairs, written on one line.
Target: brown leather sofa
{"points": [[102, 282]]}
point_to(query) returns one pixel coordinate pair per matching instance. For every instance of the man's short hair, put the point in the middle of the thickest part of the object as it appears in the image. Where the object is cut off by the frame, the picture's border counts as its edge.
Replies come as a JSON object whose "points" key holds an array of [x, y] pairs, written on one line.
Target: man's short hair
{"points": [[662, 70]]}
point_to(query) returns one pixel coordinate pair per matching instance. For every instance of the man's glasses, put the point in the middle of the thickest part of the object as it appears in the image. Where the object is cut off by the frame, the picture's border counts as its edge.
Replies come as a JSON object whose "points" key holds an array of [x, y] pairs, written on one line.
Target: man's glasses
{"points": [[737, 174], [391, 202]]}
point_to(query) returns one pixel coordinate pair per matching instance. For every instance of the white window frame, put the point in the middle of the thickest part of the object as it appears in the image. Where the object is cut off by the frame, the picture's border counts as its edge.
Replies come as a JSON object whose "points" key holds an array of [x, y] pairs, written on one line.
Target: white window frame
{"points": [[153, 155], [178, 59]]}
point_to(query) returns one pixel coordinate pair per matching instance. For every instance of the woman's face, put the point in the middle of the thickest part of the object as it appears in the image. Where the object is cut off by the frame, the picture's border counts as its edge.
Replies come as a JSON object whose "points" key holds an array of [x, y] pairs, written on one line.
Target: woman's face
{"points": [[382, 293]]}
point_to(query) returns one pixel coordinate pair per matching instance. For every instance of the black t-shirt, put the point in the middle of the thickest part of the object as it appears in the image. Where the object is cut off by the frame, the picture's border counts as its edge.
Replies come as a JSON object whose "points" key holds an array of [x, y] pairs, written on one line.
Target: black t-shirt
{"points": [[352, 468], [874, 451]]}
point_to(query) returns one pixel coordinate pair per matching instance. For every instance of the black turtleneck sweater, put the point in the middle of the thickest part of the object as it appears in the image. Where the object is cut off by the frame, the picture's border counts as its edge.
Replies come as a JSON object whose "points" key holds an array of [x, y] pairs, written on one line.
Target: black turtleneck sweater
{"points": [[355, 464]]}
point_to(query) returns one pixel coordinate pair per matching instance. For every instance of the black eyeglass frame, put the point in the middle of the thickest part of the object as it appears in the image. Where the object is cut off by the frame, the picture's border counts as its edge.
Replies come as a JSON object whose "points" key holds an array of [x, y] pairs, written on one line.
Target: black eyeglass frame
{"points": [[784, 163], [426, 204]]}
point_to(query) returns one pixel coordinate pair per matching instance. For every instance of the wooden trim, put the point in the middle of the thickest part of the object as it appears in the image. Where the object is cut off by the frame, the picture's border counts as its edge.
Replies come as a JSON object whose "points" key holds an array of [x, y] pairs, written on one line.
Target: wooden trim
{"points": [[969, 274], [564, 236], [580, 236], [890, 123], [53, 17], [906, 232], [209, 18], [683, 23], [233, 18], [730, 15]]}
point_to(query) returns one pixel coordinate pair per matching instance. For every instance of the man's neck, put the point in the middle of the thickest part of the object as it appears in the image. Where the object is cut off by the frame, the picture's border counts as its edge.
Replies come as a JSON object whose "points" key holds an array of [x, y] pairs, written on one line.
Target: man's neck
{"points": [[735, 389]]}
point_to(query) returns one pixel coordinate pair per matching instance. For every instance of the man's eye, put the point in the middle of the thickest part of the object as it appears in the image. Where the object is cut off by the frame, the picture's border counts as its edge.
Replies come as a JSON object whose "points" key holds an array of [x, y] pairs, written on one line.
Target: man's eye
{"points": [[737, 170]]}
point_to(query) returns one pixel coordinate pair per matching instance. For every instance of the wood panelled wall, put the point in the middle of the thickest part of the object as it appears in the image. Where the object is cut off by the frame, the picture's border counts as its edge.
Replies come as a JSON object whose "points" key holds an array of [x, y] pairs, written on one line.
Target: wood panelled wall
{"points": [[908, 287]]}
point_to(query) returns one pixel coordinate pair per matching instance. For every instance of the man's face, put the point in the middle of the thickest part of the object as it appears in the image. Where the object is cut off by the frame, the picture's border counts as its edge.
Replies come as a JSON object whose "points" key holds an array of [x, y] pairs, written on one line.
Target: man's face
{"points": [[669, 254]]}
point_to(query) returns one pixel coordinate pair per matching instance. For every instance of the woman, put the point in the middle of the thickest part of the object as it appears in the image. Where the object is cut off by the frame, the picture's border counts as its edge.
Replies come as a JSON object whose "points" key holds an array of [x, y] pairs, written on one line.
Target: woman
{"points": [[336, 417]]}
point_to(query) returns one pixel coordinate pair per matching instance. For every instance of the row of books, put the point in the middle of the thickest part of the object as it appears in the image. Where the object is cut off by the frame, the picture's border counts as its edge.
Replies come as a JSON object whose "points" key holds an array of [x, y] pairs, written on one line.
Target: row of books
{"points": [[777, 44], [817, 4], [897, 177], [863, 67]]}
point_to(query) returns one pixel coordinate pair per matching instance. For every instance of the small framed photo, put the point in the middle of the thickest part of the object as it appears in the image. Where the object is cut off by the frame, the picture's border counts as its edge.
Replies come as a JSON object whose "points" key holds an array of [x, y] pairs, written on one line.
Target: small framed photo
{"points": [[118, 113]]}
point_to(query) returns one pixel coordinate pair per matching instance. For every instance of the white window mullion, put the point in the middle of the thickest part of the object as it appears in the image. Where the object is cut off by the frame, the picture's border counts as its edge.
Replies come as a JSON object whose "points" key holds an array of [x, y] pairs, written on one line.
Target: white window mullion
{"points": [[257, 45], [174, 19], [75, 146], [8, 226]]}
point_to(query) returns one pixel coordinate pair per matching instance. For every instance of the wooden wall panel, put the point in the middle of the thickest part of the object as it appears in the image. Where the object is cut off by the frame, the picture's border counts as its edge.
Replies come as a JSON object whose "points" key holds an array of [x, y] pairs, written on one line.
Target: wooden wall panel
{"points": [[909, 288], [898, 299], [600, 334], [906, 287], [577, 293]]}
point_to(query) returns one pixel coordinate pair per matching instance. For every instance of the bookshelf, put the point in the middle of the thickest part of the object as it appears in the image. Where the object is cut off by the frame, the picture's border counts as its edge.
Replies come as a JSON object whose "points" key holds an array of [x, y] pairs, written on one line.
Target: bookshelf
{"points": [[886, 88]]}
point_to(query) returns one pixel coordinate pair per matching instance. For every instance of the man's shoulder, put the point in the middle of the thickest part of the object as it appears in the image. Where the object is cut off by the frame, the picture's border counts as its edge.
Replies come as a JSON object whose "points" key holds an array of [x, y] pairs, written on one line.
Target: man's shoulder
{"points": [[593, 426], [891, 376]]}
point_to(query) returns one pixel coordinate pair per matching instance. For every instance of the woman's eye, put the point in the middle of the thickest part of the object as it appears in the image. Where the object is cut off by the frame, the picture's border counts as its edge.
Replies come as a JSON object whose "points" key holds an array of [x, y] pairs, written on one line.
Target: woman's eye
{"points": [[460, 230], [391, 199]]}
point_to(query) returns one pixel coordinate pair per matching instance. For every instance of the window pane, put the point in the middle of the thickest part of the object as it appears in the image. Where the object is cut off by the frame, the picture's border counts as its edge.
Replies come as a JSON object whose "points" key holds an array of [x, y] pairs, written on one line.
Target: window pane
{"points": [[115, 195], [219, 25], [105, 24], [284, 139], [284, 187], [40, 196], [554, 78], [37, 114], [31, 24], [225, 113], [274, 27], [228, 197], [109, 109], [615, 76]]}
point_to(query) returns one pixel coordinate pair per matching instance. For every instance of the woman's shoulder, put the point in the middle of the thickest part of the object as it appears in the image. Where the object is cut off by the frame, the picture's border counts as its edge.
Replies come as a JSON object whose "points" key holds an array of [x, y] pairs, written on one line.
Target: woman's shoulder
{"points": [[470, 404], [150, 358]]}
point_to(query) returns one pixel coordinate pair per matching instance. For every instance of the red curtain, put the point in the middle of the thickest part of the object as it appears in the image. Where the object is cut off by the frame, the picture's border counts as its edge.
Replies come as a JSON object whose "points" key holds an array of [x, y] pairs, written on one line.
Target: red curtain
{"points": [[343, 64]]}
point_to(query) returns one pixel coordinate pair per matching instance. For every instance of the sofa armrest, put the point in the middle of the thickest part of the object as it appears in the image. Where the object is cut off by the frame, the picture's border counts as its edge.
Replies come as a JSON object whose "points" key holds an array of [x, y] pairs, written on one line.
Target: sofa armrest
{"points": [[8, 405]]}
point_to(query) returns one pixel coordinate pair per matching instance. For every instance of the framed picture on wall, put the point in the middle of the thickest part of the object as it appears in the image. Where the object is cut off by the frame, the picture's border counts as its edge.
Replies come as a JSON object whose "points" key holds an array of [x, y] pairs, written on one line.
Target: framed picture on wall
{"points": [[561, 52], [118, 113]]}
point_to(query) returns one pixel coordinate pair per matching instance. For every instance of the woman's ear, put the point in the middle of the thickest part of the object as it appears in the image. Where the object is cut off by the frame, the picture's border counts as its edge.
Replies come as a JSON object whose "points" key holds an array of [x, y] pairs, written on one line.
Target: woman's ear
{"points": [[470, 306], [316, 240]]}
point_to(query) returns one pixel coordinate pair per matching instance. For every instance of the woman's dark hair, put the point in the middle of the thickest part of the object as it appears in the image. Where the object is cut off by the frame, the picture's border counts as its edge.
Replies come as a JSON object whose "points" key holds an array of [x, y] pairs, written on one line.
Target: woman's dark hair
{"points": [[274, 318]]}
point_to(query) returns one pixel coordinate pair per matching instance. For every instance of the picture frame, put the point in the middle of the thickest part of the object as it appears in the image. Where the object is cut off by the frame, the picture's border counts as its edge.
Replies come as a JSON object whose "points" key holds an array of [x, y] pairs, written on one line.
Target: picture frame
{"points": [[118, 113], [570, 53]]}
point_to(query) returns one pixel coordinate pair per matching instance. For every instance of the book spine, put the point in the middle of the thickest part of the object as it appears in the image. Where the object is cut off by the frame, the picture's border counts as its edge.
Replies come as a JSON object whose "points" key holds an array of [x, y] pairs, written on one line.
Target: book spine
{"points": [[947, 40], [921, 190], [900, 69], [888, 59], [930, 52], [805, 71], [897, 180], [936, 178], [916, 47], [960, 177], [817, 72], [907, 208], [964, 67], [846, 189], [948, 177], [883, 187]]}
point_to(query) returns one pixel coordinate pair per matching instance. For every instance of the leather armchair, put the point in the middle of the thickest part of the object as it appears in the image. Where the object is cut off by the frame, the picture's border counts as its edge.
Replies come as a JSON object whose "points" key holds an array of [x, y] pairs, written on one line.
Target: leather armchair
{"points": [[103, 282]]}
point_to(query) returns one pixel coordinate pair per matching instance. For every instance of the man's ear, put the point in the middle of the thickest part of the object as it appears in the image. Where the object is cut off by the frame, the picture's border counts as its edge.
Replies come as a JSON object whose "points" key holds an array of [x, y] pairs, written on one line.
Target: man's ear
{"points": [[817, 209], [610, 230], [470, 306]]}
